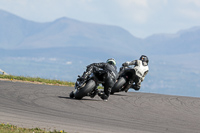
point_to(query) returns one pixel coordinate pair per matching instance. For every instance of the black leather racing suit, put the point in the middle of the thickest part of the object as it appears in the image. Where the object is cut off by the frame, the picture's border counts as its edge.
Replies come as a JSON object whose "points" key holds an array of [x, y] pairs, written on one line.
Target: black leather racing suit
{"points": [[110, 78]]}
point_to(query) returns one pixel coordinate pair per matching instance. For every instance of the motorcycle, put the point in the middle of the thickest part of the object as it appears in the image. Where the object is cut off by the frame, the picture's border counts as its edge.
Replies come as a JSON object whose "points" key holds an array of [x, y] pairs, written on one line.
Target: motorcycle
{"points": [[88, 86], [125, 79]]}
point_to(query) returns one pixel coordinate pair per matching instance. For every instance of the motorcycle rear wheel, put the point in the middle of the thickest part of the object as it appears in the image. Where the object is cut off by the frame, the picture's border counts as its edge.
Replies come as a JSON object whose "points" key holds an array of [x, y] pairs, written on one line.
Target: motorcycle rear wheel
{"points": [[79, 94]]}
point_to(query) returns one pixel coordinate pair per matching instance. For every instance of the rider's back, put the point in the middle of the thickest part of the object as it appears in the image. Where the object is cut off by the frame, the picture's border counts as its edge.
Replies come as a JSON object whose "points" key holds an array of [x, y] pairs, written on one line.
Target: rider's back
{"points": [[140, 68]]}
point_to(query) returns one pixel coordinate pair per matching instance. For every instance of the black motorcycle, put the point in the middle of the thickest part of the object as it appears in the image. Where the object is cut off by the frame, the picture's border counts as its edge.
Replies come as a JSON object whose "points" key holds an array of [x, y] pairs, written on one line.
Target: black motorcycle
{"points": [[88, 86], [125, 79]]}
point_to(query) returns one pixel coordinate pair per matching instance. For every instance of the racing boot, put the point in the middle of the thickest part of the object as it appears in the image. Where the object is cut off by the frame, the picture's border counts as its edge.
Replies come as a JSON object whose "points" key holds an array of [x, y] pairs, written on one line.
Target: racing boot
{"points": [[135, 87], [103, 96]]}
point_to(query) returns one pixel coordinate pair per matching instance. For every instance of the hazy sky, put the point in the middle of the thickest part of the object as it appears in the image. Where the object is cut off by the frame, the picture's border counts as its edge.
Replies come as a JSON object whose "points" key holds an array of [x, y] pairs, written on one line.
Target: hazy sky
{"points": [[141, 18]]}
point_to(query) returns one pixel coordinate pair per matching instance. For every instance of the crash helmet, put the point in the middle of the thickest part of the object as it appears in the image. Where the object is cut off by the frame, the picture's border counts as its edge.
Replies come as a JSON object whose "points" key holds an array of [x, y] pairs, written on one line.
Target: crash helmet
{"points": [[111, 61], [144, 58]]}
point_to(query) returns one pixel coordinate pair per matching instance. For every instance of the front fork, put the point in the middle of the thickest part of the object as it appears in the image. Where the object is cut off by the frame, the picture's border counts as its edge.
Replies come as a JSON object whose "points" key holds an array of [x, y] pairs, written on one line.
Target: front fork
{"points": [[128, 84]]}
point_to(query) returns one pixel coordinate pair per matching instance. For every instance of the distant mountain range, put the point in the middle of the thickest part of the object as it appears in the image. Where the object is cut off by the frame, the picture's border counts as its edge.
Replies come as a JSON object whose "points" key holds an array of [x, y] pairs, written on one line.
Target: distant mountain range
{"points": [[185, 41], [61, 49]]}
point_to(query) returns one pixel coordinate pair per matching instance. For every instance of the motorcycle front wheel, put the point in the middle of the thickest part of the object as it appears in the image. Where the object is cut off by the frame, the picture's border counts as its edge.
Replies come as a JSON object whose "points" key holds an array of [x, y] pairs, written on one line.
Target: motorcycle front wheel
{"points": [[118, 85], [79, 94]]}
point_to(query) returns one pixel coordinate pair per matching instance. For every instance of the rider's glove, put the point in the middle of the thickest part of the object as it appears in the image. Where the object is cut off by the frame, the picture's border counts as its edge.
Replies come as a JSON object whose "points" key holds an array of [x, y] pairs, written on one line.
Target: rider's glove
{"points": [[126, 63]]}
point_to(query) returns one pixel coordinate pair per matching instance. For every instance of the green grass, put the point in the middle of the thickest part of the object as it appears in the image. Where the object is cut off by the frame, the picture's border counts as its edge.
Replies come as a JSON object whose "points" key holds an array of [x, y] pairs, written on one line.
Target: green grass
{"points": [[7, 128], [40, 80], [37, 79]]}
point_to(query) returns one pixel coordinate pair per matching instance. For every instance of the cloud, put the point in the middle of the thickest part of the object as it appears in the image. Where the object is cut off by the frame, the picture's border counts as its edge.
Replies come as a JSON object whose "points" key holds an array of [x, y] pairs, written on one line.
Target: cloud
{"points": [[52, 59], [68, 62], [127, 3], [136, 10], [189, 9], [194, 2], [189, 13]]}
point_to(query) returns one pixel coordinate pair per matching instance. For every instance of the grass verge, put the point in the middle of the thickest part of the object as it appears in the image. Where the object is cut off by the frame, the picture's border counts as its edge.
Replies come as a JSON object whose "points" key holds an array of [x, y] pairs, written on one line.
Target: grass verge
{"points": [[7, 128], [37, 80]]}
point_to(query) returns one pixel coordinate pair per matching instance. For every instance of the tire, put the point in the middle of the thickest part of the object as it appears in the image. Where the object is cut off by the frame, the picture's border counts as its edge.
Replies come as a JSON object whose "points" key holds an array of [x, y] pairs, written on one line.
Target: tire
{"points": [[79, 94], [118, 85], [71, 95]]}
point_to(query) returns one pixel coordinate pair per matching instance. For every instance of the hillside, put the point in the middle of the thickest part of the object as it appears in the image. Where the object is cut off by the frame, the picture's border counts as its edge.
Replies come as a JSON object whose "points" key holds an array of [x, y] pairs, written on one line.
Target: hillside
{"points": [[182, 42], [63, 32]]}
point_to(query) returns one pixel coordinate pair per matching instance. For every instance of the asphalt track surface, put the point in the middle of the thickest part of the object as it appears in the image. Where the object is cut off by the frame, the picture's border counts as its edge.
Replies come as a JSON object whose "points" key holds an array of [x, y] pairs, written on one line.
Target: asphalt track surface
{"points": [[49, 107]]}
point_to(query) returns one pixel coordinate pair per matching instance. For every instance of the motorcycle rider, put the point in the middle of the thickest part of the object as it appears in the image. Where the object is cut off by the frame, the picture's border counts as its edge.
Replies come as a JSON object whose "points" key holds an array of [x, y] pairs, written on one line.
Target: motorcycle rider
{"points": [[141, 69], [110, 76]]}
